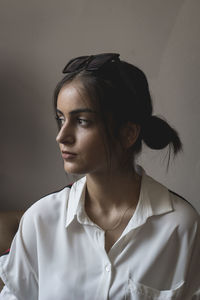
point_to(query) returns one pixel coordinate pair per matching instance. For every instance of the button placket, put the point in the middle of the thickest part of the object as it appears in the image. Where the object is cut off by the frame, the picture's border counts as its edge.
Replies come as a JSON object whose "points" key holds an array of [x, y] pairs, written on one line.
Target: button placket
{"points": [[108, 268]]}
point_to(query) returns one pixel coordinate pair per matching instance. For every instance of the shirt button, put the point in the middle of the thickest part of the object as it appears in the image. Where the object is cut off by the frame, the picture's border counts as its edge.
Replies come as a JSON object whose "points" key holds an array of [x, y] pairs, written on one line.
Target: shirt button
{"points": [[107, 268]]}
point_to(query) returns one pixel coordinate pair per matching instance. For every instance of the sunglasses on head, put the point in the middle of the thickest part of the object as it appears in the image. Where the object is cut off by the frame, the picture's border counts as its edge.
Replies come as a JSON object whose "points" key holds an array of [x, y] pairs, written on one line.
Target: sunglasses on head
{"points": [[90, 63]]}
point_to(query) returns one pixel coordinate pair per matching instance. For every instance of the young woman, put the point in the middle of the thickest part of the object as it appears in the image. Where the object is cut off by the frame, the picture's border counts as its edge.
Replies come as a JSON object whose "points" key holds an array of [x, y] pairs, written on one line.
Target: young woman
{"points": [[116, 233]]}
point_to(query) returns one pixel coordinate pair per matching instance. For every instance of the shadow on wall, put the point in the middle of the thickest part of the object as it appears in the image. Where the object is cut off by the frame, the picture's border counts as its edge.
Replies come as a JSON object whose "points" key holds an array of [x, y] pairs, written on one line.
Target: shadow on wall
{"points": [[21, 130]]}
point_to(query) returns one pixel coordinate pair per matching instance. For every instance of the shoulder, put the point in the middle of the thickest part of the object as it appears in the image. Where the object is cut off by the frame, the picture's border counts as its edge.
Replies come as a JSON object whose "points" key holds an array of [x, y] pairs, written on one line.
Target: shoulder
{"points": [[52, 209], [50, 202], [184, 214], [48, 210], [175, 212]]}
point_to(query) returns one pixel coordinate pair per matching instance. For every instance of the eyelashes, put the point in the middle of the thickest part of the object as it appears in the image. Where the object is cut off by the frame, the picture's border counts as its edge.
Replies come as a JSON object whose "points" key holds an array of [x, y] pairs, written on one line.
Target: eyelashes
{"points": [[60, 121], [80, 121], [83, 122]]}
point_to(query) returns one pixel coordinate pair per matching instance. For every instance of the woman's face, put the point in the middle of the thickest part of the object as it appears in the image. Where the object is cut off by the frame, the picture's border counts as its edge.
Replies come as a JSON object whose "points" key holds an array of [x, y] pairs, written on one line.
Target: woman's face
{"points": [[81, 139]]}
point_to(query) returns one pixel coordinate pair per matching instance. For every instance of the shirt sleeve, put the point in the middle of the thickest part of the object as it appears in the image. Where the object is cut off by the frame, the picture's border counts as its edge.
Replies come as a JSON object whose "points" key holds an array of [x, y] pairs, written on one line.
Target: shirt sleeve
{"points": [[193, 274], [187, 223], [6, 294], [19, 270]]}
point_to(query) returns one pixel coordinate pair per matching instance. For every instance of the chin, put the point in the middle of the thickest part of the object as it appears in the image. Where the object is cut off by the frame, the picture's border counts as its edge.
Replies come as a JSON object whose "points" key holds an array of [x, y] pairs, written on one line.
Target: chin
{"points": [[72, 170], [78, 169]]}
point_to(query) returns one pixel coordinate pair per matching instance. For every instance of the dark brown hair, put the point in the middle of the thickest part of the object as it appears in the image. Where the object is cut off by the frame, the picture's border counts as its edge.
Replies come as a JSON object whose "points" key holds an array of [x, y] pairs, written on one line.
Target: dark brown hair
{"points": [[121, 91]]}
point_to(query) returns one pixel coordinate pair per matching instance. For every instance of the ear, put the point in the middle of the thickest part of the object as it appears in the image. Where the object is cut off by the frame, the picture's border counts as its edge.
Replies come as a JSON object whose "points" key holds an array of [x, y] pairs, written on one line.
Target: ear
{"points": [[129, 134]]}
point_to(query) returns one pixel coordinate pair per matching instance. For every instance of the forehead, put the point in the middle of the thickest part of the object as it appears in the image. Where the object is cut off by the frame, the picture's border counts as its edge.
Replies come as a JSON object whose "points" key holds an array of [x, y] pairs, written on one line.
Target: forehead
{"points": [[72, 96]]}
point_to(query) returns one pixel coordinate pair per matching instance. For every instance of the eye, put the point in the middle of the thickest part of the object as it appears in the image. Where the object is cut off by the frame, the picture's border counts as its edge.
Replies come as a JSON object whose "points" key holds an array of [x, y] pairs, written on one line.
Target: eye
{"points": [[60, 121], [83, 122]]}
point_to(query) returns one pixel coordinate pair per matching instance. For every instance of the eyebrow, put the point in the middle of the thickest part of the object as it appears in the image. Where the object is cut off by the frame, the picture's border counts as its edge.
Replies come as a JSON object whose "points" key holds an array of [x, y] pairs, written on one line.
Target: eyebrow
{"points": [[79, 110]]}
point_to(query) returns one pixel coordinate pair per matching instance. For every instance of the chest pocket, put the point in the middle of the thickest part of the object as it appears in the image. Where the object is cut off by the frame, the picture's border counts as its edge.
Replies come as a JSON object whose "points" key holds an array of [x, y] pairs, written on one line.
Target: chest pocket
{"points": [[138, 291]]}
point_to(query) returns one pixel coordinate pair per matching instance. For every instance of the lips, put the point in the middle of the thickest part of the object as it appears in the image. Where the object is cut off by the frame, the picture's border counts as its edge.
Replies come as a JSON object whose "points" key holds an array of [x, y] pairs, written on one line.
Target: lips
{"points": [[68, 155]]}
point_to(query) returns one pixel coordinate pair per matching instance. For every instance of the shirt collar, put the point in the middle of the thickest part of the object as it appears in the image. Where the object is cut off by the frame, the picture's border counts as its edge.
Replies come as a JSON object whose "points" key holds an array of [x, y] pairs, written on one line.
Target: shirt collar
{"points": [[154, 199], [76, 199]]}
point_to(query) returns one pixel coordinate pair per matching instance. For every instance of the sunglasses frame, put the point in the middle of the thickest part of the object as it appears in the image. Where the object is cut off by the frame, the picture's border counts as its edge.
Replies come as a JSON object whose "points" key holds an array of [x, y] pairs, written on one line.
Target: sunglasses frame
{"points": [[90, 63]]}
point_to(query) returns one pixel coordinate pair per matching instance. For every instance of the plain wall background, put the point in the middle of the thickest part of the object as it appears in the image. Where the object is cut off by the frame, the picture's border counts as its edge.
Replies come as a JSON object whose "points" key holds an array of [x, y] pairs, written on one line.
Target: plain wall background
{"points": [[39, 37]]}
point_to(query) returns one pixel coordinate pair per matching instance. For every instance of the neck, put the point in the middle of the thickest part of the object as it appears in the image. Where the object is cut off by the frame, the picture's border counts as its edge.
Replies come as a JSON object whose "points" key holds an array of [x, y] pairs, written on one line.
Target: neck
{"points": [[112, 190]]}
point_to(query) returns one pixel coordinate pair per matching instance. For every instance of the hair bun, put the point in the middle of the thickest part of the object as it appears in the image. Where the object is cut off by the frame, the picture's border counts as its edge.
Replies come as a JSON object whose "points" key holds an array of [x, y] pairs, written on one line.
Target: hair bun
{"points": [[157, 134]]}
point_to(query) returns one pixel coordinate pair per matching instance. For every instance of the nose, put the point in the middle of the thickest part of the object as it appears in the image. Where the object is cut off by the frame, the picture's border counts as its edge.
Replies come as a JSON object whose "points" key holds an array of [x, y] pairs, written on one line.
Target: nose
{"points": [[65, 135]]}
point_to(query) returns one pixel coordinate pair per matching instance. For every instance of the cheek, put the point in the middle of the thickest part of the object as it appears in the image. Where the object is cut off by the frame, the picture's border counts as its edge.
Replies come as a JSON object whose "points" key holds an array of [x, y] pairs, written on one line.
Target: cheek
{"points": [[93, 145]]}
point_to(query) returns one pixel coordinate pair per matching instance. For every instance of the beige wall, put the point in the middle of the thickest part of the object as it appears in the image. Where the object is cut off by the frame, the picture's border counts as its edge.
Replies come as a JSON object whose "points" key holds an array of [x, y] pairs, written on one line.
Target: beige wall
{"points": [[39, 37]]}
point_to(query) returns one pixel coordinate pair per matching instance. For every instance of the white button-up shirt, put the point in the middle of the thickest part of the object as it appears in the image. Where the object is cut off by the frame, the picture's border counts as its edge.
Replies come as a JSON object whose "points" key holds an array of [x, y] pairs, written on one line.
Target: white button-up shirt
{"points": [[58, 253]]}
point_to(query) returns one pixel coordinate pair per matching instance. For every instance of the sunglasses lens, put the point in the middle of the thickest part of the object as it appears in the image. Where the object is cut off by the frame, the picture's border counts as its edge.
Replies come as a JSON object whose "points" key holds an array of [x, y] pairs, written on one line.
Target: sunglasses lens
{"points": [[90, 63], [75, 64]]}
